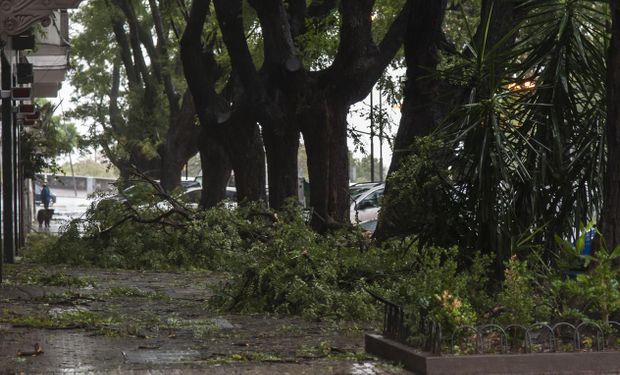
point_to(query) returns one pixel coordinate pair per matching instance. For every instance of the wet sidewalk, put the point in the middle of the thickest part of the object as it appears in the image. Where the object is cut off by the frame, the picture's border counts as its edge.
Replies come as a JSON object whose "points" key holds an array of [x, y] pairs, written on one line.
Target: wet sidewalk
{"points": [[68, 206], [124, 322]]}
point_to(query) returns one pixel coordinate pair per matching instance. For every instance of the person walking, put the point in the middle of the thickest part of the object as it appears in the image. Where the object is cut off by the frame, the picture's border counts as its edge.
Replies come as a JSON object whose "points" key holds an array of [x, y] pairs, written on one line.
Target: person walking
{"points": [[46, 196]]}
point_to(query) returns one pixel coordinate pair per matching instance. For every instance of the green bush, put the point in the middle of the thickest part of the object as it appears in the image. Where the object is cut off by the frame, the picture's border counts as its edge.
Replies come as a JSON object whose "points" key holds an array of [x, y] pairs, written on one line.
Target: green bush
{"points": [[422, 200], [293, 270], [517, 296], [430, 283]]}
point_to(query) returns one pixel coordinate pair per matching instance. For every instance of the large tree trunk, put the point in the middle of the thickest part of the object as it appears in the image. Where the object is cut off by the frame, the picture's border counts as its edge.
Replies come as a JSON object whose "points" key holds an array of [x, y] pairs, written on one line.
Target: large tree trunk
{"points": [[171, 167], [420, 114], [238, 137], [610, 219], [283, 88], [181, 144], [281, 152], [247, 156], [150, 166], [315, 130], [215, 170], [324, 127], [338, 204]]}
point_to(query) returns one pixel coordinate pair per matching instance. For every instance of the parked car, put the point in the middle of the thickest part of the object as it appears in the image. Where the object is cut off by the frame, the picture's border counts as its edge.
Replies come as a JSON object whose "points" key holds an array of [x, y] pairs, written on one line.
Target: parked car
{"points": [[365, 207], [187, 184], [192, 195], [356, 189], [37, 195], [369, 226]]}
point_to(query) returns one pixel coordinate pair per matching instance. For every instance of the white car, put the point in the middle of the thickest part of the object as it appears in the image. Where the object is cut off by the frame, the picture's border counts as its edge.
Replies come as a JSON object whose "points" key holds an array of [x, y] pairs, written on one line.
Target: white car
{"points": [[191, 197], [366, 206]]}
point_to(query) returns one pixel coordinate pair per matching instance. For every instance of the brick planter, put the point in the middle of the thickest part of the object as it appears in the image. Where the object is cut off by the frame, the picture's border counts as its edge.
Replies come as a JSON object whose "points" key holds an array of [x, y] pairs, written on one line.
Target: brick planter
{"points": [[604, 362]]}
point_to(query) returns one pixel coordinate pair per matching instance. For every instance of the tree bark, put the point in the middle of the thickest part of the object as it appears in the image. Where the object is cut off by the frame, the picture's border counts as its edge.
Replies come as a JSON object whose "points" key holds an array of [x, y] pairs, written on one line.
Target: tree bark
{"points": [[215, 170], [231, 128], [281, 150], [140, 80], [181, 144], [324, 129], [356, 68], [610, 218], [339, 200], [247, 156], [315, 129], [420, 114], [283, 89]]}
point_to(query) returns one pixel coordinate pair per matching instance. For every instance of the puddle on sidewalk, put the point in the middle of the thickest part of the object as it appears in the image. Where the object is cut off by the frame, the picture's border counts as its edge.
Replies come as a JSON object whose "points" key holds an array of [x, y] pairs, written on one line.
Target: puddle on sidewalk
{"points": [[161, 357], [222, 323], [57, 312], [77, 369], [365, 368]]}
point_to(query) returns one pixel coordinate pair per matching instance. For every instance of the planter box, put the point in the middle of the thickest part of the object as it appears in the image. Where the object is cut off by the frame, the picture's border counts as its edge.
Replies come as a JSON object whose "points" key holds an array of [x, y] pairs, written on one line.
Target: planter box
{"points": [[531, 363]]}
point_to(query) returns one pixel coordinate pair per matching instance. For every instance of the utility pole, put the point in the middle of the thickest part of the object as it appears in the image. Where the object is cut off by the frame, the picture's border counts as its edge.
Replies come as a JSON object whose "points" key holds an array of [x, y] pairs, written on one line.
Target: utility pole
{"points": [[372, 138], [7, 160], [380, 135], [6, 115]]}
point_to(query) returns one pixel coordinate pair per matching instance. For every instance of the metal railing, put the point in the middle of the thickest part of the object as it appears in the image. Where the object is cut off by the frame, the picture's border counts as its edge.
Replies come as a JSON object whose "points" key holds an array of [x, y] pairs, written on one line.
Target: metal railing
{"points": [[560, 336], [396, 326]]}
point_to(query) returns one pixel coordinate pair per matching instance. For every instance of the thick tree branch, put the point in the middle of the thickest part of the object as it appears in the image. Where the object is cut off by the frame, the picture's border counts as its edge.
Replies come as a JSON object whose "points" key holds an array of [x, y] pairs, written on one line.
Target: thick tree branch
{"points": [[162, 62], [359, 62], [501, 17], [388, 47], [162, 41], [297, 16], [280, 51], [134, 40], [114, 111], [278, 40], [321, 8], [118, 28], [141, 36], [230, 18], [198, 63], [355, 34]]}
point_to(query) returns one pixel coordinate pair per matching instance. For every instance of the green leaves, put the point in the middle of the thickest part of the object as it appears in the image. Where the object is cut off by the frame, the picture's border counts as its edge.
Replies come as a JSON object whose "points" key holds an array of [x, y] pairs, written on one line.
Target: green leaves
{"points": [[528, 142]]}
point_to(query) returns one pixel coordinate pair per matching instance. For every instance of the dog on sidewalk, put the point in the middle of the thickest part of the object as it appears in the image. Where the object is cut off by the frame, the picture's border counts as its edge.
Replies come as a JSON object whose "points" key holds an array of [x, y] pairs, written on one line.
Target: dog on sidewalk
{"points": [[44, 216]]}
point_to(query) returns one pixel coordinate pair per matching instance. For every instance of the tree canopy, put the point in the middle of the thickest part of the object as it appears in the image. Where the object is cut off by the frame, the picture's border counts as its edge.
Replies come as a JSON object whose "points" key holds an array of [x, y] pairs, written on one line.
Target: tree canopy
{"points": [[507, 96]]}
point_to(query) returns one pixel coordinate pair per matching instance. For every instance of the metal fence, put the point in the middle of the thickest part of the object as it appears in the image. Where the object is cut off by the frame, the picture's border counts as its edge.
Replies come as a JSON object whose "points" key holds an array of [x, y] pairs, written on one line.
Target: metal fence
{"points": [[559, 336]]}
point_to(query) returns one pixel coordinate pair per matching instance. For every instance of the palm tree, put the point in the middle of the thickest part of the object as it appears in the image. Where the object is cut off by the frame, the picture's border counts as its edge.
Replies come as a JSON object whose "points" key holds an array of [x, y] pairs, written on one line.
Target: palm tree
{"points": [[526, 143], [530, 138]]}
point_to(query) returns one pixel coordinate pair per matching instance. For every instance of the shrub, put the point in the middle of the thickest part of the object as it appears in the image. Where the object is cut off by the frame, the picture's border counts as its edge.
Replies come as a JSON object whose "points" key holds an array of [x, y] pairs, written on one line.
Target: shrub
{"points": [[293, 270], [429, 282], [423, 200], [517, 296]]}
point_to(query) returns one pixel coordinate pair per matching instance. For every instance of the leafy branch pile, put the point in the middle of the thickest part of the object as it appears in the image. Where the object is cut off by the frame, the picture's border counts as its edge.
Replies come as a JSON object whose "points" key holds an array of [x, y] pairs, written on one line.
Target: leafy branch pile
{"points": [[273, 262]]}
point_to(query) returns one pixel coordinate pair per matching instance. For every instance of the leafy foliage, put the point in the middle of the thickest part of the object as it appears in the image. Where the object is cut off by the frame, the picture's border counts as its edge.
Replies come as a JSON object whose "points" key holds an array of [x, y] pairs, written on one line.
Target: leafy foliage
{"points": [[424, 194], [40, 147], [274, 263], [524, 151], [517, 296], [596, 291]]}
